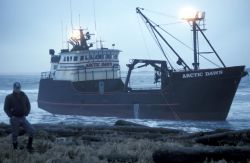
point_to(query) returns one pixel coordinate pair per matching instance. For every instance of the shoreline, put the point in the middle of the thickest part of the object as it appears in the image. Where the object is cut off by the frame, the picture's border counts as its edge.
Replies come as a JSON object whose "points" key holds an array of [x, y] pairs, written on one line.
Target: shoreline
{"points": [[126, 142]]}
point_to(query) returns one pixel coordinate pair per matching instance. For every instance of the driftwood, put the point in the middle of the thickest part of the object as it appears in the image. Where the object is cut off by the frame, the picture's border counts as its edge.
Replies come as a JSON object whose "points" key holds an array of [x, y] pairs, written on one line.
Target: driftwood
{"points": [[200, 154], [119, 158], [127, 123], [124, 130], [228, 138], [127, 126], [121, 126]]}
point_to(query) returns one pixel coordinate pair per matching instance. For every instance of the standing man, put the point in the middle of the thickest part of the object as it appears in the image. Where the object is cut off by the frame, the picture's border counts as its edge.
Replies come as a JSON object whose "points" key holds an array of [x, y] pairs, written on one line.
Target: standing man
{"points": [[17, 107]]}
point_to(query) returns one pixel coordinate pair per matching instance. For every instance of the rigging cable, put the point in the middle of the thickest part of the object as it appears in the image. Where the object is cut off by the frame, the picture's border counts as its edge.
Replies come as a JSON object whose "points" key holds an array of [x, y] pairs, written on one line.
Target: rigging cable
{"points": [[96, 42], [148, 22], [62, 32], [66, 37], [210, 45], [173, 37], [209, 60], [144, 40], [206, 57], [79, 16], [176, 116], [156, 25], [160, 13], [185, 44], [71, 15], [179, 22], [159, 45], [151, 31], [153, 27]]}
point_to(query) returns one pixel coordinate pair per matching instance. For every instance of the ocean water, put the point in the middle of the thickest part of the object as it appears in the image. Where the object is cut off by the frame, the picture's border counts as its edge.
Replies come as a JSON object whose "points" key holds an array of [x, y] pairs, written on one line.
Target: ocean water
{"points": [[238, 118]]}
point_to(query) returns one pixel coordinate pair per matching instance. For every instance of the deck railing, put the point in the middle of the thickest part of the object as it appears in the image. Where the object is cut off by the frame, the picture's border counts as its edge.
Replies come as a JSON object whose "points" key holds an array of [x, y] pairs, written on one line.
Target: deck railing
{"points": [[88, 75], [46, 75]]}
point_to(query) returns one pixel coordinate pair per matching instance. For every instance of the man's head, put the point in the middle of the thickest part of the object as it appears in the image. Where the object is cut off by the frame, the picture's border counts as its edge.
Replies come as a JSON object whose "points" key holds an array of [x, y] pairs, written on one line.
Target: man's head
{"points": [[16, 87]]}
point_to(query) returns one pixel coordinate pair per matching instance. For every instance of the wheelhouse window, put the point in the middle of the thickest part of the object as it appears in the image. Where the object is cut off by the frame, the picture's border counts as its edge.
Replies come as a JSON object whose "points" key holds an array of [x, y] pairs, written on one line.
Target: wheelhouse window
{"points": [[115, 56], [81, 58], [108, 56], [102, 56], [75, 58], [86, 57]]}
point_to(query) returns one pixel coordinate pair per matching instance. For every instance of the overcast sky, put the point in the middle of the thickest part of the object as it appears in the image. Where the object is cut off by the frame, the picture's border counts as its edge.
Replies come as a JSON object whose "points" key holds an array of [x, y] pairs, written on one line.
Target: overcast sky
{"points": [[29, 28]]}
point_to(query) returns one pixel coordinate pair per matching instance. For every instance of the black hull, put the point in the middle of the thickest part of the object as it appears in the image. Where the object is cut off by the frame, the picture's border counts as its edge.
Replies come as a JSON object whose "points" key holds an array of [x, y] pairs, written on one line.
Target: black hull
{"points": [[203, 95]]}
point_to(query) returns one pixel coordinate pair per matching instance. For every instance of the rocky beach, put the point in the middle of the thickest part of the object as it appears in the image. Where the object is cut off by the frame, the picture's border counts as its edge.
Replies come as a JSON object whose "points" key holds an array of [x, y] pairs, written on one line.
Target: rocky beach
{"points": [[125, 142]]}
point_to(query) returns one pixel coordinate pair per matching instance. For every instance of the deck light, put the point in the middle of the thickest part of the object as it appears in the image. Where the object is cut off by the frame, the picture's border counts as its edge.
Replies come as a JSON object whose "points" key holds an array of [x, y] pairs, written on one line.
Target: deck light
{"points": [[189, 14]]}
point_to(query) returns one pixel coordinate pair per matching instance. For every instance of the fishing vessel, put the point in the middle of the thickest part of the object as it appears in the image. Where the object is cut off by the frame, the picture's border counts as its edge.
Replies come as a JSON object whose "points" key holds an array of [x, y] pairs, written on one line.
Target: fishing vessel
{"points": [[87, 81]]}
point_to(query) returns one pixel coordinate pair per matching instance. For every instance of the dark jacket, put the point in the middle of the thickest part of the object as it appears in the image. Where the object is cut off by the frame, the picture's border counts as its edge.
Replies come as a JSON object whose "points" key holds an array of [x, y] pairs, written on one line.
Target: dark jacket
{"points": [[17, 105]]}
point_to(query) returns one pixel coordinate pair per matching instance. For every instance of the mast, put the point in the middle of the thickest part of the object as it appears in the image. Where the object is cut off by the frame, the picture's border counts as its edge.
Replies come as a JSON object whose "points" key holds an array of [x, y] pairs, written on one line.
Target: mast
{"points": [[196, 63], [200, 16], [193, 21]]}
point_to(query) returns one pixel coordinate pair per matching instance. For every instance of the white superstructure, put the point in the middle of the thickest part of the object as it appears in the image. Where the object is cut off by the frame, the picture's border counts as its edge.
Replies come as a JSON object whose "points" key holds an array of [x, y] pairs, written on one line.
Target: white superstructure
{"points": [[82, 63]]}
